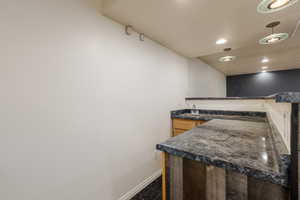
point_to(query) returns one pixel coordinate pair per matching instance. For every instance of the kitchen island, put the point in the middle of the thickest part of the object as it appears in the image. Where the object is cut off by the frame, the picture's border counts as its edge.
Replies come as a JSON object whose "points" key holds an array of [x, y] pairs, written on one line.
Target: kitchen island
{"points": [[233, 155]]}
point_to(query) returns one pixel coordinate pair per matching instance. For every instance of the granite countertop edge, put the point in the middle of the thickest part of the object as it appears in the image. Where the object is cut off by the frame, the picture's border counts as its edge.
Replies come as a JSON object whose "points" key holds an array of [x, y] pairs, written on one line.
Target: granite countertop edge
{"points": [[207, 115], [276, 178]]}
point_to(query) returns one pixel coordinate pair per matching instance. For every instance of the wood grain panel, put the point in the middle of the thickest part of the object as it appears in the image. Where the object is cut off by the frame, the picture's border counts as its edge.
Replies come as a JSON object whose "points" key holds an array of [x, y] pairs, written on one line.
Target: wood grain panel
{"points": [[176, 177], [164, 176], [194, 180], [236, 186], [215, 183], [184, 124], [260, 190]]}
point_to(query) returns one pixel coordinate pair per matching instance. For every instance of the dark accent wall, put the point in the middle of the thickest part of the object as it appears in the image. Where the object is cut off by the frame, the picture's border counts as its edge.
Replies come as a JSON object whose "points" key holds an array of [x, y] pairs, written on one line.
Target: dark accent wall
{"points": [[263, 84]]}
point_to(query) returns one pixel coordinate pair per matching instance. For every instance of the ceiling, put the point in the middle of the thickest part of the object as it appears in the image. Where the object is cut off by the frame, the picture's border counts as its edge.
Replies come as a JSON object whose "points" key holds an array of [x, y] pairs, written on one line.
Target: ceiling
{"points": [[191, 28]]}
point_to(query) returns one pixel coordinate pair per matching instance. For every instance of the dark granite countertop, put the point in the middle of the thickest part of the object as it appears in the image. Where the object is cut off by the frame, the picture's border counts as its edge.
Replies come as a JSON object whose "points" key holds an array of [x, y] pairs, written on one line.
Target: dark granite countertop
{"points": [[218, 114], [240, 143], [207, 117], [287, 97]]}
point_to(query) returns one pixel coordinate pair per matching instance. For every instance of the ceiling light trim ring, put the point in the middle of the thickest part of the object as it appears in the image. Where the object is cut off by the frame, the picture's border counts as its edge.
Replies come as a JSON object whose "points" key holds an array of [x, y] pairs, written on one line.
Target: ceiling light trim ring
{"points": [[277, 36], [227, 58], [265, 6], [277, 4]]}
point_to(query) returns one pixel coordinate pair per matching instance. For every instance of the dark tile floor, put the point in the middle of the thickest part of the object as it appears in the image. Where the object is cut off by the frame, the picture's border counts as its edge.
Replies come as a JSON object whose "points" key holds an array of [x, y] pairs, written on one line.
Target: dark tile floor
{"points": [[151, 192]]}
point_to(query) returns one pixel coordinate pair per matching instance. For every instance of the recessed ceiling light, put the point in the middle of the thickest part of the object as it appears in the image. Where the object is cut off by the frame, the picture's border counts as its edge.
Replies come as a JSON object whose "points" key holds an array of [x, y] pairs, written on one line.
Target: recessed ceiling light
{"points": [[274, 38], [227, 58], [265, 60], [269, 6], [265, 67], [278, 3], [221, 41]]}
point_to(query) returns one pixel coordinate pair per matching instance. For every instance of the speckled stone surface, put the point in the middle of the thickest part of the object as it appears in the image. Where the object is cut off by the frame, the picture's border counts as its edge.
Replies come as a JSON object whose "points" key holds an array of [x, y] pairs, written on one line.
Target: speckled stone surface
{"points": [[207, 115], [212, 114], [238, 145], [288, 97]]}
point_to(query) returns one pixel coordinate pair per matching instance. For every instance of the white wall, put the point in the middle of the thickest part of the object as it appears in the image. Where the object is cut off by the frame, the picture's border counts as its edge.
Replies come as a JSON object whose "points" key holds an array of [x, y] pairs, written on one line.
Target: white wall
{"points": [[205, 81], [236, 105], [82, 104]]}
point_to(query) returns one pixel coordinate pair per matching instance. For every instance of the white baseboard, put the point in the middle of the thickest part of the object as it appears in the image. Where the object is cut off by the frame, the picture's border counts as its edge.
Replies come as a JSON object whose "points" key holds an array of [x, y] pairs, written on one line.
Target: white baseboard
{"points": [[140, 186]]}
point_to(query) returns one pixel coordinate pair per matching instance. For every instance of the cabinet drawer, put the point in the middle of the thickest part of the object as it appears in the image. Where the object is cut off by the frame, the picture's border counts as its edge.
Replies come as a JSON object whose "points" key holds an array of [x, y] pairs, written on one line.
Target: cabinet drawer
{"points": [[184, 124]]}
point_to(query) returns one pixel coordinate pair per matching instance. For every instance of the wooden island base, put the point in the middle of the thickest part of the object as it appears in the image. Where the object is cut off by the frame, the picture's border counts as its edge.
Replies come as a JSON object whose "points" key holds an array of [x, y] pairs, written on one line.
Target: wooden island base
{"points": [[185, 179]]}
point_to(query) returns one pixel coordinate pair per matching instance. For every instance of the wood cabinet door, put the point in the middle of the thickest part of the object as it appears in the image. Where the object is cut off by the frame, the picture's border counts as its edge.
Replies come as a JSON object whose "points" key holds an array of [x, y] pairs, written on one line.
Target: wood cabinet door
{"points": [[182, 125]]}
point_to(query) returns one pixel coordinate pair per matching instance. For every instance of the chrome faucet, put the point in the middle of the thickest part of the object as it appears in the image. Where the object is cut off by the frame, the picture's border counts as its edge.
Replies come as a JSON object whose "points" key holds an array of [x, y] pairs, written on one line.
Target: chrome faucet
{"points": [[194, 111]]}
